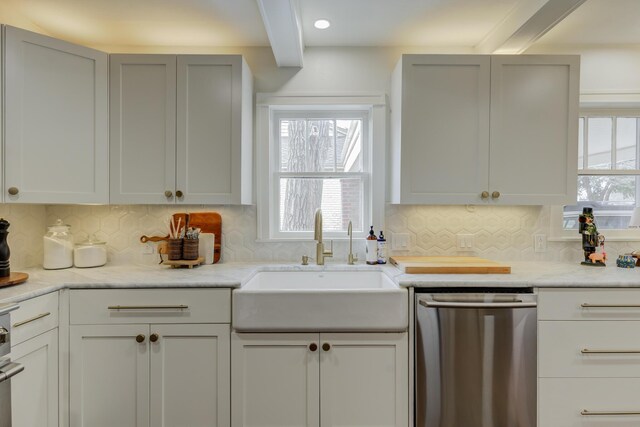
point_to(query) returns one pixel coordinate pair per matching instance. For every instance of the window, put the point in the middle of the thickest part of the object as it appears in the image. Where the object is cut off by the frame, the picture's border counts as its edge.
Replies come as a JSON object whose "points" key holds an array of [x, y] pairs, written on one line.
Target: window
{"points": [[318, 156], [608, 168]]}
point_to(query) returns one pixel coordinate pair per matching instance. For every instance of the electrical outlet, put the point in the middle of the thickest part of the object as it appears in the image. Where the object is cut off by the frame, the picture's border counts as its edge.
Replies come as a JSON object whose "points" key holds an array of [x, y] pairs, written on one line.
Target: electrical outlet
{"points": [[465, 242], [540, 242], [149, 248], [400, 241]]}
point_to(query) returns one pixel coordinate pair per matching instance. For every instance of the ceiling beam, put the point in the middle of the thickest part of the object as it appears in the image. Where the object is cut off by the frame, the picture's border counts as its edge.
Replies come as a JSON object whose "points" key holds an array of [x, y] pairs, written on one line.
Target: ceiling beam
{"points": [[282, 22], [527, 22]]}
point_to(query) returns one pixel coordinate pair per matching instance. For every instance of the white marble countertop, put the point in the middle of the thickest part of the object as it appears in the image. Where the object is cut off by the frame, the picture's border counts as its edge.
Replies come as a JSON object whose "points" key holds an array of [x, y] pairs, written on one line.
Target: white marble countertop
{"points": [[234, 275]]}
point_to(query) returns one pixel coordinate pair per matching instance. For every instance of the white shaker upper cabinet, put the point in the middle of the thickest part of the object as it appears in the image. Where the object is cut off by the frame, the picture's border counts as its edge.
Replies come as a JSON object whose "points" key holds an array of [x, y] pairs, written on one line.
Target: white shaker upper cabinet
{"points": [[534, 129], [143, 129], [440, 129], [214, 130], [181, 129], [56, 135], [469, 129]]}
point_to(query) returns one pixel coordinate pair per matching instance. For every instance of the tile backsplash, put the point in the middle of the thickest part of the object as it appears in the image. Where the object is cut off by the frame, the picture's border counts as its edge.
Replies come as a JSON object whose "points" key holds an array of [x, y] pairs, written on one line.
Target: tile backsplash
{"points": [[500, 232]]}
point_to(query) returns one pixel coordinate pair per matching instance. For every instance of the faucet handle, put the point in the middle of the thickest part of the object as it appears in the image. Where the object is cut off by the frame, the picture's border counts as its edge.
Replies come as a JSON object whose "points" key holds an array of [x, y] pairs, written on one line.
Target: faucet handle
{"points": [[329, 253], [305, 260]]}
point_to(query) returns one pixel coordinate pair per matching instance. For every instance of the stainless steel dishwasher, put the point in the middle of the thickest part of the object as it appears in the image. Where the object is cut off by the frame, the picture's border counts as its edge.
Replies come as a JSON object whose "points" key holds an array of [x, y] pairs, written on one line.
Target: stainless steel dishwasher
{"points": [[476, 359]]}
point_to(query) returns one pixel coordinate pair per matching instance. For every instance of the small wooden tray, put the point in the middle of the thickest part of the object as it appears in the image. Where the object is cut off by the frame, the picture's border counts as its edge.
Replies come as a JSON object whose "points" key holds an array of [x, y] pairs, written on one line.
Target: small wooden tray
{"points": [[13, 279], [184, 263]]}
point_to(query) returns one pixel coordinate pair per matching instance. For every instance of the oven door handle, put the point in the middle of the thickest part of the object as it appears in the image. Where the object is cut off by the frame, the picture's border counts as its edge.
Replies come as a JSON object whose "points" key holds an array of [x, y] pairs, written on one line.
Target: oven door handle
{"points": [[9, 370], [514, 304]]}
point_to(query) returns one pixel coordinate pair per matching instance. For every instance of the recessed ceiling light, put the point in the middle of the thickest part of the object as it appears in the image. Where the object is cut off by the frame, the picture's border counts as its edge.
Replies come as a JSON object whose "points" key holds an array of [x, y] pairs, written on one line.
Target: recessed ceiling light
{"points": [[322, 24]]}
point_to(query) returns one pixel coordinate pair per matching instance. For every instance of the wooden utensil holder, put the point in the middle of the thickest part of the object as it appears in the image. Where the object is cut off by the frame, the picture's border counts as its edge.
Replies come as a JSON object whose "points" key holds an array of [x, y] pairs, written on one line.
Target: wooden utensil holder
{"points": [[190, 249], [174, 249]]}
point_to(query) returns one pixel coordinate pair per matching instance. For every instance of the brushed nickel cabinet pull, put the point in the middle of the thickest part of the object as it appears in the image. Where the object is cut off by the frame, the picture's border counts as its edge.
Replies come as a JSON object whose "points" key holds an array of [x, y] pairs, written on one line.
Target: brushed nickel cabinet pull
{"points": [[587, 351], [597, 413], [589, 305], [33, 319], [148, 307]]}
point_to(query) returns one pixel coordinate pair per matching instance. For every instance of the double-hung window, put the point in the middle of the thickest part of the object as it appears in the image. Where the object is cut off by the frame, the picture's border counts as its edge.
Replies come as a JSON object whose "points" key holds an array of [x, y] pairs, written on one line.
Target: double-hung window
{"points": [[608, 170], [319, 152]]}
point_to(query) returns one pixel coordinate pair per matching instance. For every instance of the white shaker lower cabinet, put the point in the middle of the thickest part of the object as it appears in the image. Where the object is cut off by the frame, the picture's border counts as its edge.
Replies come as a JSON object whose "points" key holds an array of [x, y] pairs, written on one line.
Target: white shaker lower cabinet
{"points": [[588, 357], [34, 339], [322, 379], [56, 121], [34, 392], [149, 357]]}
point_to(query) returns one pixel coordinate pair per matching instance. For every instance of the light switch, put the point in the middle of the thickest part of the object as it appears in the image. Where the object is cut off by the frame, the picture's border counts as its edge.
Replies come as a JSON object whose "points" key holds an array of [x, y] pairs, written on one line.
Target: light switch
{"points": [[465, 242], [540, 242]]}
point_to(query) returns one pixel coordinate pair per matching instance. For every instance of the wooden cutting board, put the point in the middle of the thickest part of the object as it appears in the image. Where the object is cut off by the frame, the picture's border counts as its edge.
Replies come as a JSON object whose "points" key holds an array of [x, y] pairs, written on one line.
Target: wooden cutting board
{"points": [[208, 222], [448, 265]]}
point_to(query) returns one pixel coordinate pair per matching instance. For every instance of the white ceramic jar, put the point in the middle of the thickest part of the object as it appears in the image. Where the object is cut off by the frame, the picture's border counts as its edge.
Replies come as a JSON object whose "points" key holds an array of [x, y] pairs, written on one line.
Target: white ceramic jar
{"points": [[90, 253], [58, 247]]}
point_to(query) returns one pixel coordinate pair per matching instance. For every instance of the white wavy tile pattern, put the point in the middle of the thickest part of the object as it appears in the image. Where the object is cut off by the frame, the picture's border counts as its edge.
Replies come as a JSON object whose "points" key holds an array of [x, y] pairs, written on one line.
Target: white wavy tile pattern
{"points": [[501, 232]]}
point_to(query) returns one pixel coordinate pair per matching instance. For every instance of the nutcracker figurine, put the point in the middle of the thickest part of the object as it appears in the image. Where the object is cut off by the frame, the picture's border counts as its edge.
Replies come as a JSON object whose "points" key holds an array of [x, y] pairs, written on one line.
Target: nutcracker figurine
{"points": [[591, 239]]}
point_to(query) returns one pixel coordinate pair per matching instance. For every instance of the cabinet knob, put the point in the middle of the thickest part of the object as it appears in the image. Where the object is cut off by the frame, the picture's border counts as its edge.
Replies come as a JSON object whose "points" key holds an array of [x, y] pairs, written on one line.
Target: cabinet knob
{"points": [[484, 194], [326, 346], [179, 193], [495, 194], [168, 194], [313, 346], [140, 338], [13, 191], [154, 337]]}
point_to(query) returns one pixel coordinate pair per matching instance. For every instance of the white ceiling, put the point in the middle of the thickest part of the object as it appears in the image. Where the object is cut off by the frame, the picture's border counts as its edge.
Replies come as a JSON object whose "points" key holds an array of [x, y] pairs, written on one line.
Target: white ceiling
{"points": [[599, 22], [402, 22], [148, 22], [433, 23]]}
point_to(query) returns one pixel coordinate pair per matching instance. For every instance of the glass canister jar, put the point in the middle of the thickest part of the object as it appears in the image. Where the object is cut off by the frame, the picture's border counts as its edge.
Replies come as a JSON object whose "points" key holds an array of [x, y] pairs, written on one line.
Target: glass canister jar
{"points": [[90, 253], [58, 247]]}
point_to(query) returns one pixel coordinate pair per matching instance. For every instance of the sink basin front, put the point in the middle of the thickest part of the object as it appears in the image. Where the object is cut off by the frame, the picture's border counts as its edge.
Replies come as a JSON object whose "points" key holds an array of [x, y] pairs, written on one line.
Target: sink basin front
{"points": [[296, 301]]}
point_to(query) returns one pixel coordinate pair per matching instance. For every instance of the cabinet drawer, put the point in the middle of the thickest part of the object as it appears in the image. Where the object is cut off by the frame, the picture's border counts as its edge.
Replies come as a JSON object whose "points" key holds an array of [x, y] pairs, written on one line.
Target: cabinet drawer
{"points": [[118, 306], [35, 316], [589, 349], [591, 304], [562, 401]]}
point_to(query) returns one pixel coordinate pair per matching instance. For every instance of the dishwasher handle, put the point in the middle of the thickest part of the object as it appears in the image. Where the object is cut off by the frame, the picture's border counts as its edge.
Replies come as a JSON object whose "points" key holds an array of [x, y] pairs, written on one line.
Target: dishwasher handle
{"points": [[9, 370], [461, 304]]}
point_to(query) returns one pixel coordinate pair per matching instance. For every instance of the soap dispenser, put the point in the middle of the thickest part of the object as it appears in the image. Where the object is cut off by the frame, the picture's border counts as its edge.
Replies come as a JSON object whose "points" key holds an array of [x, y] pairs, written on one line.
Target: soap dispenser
{"points": [[372, 248]]}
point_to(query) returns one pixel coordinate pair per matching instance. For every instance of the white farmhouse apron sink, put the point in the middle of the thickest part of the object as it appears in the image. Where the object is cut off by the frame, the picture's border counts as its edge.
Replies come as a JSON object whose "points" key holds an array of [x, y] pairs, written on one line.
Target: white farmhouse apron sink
{"points": [[296, 301]]}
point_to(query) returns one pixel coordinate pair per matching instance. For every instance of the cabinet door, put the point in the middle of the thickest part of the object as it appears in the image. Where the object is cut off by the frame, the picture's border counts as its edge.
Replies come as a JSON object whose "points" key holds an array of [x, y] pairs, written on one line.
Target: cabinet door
{"points": [[109, 376], [364, 380], [56, 132], [190, 375], [143, 128], [275, 380], [534, 129], [443, 136], [213, 129], [34, 392]]}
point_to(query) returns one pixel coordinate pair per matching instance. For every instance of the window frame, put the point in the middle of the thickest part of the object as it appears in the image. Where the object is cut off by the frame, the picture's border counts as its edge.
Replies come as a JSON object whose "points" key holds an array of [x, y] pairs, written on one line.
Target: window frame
{"points": [[269, 107], [557, 230]]}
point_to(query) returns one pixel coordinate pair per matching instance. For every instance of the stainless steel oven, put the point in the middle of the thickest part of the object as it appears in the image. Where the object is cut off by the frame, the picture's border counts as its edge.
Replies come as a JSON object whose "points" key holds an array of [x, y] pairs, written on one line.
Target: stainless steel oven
{"points": [[476, 359], [7, 368]]}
